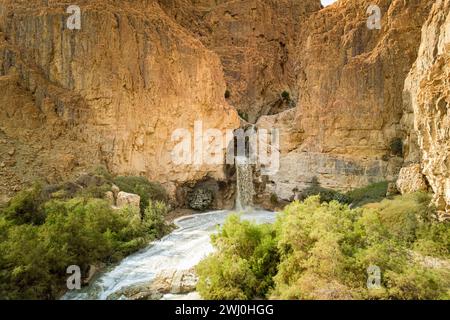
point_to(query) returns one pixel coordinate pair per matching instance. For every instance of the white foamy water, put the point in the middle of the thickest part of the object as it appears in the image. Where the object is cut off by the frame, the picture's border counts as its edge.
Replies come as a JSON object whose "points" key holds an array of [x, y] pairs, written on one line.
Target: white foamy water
{"points": [[181, 250]]}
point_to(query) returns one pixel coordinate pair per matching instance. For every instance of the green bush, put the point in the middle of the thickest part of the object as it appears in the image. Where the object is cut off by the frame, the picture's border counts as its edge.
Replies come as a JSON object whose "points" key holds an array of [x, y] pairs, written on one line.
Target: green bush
{"points": [[320, 250], [145, 189], [154, 219], [25, 207], [326, 195], [372, 193], [79, 231], [244, 265]]}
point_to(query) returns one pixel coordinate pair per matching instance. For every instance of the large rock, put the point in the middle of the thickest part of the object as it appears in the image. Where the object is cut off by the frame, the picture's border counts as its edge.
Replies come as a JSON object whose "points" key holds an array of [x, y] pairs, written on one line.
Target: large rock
{"points": [[427, 99], [125, 199], [169, 281], [411, 180]]}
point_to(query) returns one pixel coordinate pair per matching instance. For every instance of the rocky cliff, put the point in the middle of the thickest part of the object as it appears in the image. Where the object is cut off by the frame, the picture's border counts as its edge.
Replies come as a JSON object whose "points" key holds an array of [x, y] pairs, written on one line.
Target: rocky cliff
{"points": [[256, 43], [352, 104], [427, 104], [112, 92], [349, 108]]}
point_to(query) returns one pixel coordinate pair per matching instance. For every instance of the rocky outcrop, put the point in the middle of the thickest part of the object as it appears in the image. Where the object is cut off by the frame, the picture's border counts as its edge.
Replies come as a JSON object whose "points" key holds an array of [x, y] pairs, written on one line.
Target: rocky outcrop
{"points": [[411, 179], [427, 104], [168, 282], [114, 92], [128, 200], [111, 93], [349, 107], [256, 41]]}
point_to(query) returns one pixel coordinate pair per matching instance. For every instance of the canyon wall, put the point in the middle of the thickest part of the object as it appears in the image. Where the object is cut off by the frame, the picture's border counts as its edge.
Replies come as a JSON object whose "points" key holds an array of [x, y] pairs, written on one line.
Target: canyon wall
{"points": [[111, 93], [361, 103], [349, 109], [256, 41], [427, 105]]}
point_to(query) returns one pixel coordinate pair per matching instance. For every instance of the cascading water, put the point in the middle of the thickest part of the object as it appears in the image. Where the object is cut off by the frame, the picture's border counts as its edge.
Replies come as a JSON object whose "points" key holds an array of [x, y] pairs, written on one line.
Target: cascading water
{"points": [[244, 184], [180, 250]]}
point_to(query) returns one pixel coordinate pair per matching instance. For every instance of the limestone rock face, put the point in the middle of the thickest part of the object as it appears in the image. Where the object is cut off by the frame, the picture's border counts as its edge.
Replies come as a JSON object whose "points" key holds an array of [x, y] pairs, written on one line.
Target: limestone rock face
{"points": [[411, 180], [427, 90], [112, 93], [349, 107], [256, 41]]}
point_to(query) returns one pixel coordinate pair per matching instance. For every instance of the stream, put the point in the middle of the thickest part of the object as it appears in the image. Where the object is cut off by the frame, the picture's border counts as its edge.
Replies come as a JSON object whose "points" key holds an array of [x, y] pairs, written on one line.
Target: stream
{"points": [[180, 250]]}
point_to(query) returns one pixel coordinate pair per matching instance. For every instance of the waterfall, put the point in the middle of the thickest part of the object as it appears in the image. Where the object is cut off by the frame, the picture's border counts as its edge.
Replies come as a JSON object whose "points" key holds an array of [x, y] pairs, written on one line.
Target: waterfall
{"points": [[244, 184]]}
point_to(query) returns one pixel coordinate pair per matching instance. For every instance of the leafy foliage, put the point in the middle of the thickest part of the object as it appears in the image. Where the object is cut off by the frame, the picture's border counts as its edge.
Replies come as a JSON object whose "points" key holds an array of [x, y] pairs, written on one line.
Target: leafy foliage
{"points": [[321, 250], [372, 193], [244, 265], [41, 235]]}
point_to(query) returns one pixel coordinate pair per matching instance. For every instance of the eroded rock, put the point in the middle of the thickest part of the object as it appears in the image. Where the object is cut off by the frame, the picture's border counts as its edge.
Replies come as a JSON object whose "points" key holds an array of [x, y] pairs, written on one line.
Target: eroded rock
{"points": [[125, 199]]}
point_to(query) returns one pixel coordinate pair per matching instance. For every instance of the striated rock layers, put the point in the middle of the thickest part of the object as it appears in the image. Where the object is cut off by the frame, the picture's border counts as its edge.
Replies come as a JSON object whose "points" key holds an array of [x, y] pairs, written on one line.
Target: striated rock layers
{"points": [[114, 92], [111, 93], [256, 41], [349, 107], [427, 104]]}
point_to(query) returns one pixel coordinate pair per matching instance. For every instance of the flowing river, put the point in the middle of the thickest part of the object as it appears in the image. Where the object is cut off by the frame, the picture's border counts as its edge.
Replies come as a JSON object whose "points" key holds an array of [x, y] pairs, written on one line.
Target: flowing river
{"points": [[181, 250]]}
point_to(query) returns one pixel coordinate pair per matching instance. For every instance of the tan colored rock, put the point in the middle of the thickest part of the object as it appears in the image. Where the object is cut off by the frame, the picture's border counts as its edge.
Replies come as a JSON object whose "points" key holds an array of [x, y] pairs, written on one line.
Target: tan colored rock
{"points": [[169, 281], [125, 199], [427, 99], [411, 180], [112, 93], [349, 106], [256, 42]]}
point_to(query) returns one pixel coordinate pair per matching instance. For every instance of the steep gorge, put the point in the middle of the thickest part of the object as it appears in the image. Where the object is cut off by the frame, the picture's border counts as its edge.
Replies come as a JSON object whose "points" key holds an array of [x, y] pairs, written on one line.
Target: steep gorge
{"points": [[113, 92]]}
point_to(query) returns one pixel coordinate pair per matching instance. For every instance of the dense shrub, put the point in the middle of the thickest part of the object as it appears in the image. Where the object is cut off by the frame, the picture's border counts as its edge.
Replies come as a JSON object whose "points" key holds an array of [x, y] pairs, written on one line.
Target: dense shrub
{"points": [[321, 250], [154, 219], [372, 193], [244, 264], [40, 236], [326, 195], [145, 189], [25, 207]]}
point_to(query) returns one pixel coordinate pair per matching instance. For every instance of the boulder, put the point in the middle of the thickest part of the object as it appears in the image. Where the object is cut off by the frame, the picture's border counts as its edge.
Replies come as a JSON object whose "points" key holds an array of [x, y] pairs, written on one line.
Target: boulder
{"points": [[169, 281], [128, 199]]}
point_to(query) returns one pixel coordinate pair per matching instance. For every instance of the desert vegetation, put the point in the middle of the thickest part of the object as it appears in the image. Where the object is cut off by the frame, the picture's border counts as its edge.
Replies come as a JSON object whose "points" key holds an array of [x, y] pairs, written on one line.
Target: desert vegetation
{"points": [[45, 229], [322, 250]]}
